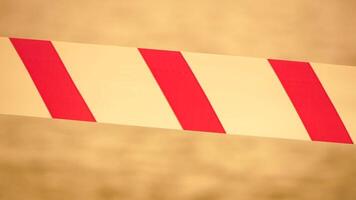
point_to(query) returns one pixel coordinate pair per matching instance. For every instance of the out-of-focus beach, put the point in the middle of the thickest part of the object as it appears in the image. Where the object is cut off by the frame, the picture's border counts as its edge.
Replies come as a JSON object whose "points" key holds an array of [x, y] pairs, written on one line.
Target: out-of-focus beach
{"points": [[57, 159]]}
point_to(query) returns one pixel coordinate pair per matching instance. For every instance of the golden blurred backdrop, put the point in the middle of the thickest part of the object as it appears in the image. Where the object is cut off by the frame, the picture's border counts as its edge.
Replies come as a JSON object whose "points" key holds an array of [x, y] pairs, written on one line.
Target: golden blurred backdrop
{"points": [[320, 31], [56, 159]]}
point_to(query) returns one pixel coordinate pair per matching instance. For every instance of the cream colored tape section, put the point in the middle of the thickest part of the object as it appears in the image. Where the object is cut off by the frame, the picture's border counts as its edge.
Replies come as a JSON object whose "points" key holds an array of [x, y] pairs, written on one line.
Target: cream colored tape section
{"points": [[247, 96], [19, 95], [117, 85], [340, 85]]}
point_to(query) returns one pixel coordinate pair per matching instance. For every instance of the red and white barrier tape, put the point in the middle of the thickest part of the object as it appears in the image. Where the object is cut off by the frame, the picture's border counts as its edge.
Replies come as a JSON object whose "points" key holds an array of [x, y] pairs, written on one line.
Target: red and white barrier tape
{"points": [[178, 90]]}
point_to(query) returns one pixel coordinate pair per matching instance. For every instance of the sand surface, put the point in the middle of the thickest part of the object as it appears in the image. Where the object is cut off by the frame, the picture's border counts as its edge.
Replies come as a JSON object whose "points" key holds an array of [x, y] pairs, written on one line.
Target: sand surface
{"points": [[57, 159]]}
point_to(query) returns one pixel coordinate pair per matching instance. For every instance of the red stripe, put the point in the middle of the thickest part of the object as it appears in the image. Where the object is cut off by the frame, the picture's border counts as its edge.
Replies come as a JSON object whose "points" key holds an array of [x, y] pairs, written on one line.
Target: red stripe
{"points": [[182, 90], [52, 80], [311, 101]]}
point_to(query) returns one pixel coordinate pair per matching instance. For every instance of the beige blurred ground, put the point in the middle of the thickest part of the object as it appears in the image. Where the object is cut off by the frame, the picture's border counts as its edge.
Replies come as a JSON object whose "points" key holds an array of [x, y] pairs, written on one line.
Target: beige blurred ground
{"points": [[45, 159]]}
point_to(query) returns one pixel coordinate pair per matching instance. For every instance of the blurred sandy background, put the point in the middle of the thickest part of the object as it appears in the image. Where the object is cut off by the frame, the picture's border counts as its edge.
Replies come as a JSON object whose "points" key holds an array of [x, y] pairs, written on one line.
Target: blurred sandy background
{"points": [[46, 159], [317, 30]]}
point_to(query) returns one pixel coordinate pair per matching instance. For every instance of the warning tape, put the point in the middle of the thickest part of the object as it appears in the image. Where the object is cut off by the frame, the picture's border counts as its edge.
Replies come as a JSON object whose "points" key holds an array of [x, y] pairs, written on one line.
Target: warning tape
{"points": [[178, 90]]}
